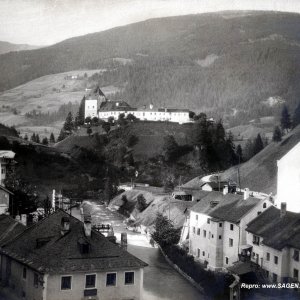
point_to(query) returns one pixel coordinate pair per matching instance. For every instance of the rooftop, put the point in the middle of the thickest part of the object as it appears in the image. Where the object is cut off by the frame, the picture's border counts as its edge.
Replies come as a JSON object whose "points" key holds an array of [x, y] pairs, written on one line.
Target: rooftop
{"points": [[9, 228], [7, 154], [229, 207], [61, 253], [111, 105], [277, 232]]}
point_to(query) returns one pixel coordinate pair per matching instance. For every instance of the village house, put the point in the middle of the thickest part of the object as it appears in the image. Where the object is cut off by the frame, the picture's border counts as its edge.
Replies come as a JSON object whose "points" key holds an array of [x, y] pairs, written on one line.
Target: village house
{"points": [[5, 199], [217, 226], [288, 179], [62, 258], [6, 156], [97, 105], [275, 240]]}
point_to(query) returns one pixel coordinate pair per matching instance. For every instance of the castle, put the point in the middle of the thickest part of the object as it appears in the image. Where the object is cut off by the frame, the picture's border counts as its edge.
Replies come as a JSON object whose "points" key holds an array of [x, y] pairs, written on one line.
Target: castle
{"points": [[97, 105]]}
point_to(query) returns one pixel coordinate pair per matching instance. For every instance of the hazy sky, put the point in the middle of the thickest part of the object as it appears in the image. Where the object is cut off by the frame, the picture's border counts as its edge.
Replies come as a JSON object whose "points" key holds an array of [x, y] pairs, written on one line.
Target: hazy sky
{"points": [[44, 22]]}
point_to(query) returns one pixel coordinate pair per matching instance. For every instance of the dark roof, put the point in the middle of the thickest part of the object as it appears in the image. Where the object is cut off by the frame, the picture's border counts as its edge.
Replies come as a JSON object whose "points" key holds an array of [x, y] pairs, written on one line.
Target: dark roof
{"points": [[9, 228], [5, 189], [216, 185], [229, 207], [61, 253], [277, 232], [115, 106]]}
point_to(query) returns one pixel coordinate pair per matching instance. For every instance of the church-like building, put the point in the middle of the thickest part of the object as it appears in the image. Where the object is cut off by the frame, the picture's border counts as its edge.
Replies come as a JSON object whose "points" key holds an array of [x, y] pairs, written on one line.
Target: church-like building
{"points": [[97, 105]]}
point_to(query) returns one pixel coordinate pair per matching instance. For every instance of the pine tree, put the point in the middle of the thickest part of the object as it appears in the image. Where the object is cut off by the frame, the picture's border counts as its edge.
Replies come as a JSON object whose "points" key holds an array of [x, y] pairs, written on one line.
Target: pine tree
{"points": [[79, 120], [69, 124], [285, 120], [52, 138], [239, 153], [296, 116], [108, 190], [89, 131], [37, 139], [258, 145], [45, 141], [26, 137], [33, 138], [277, 135]]}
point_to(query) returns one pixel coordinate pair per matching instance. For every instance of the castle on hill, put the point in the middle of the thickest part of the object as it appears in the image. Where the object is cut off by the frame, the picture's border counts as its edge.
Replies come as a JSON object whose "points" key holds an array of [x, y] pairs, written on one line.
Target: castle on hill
{"points": [[97, 105]]}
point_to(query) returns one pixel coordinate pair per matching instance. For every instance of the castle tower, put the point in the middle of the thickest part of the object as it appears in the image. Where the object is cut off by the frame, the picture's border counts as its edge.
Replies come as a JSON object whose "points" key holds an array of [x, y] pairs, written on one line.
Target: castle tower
{"points": [[93, 102]]}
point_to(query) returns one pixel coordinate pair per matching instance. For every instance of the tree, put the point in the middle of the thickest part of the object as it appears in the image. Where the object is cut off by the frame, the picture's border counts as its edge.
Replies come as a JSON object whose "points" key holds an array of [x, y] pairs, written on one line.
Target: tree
{"points": [[26, 137], [170, 148], [111, 120], [88, 120], [52, 138], [165, 234], [239, 153], [69, 124], [132, 141], [79, 120], [131, 118], [106, 126], [285, 120], [45, 141], [33, 138], [108, 190], [141, 204], [296, 116], [89, 131], [95, 121], [277, 135], [258, 145], [249, 149], [37, 138]]}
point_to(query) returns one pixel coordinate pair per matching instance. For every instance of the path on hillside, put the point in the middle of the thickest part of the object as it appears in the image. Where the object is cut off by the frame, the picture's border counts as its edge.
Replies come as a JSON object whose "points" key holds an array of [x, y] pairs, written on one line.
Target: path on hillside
{"points": [[161, 282]]}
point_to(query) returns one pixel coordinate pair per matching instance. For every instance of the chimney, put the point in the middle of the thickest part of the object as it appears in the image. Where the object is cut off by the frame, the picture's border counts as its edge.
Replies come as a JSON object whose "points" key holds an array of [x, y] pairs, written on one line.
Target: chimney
{"points": [[87, 225], [282, 209], [246, 193], [225, 190], [65, 225], [24, 219], [124, 241], [53, 200]]}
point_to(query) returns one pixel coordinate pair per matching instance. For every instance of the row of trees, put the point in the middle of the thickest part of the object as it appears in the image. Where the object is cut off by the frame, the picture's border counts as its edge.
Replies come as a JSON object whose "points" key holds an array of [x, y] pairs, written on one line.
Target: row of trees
{"points": [[36, 139]]}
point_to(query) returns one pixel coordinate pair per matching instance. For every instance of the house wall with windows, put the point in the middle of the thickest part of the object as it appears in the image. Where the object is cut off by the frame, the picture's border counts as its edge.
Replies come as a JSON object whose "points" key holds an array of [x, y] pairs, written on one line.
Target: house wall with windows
{"points": [[24, 284], [90, 109], [4, 201], [103, 291], [231, 243]]}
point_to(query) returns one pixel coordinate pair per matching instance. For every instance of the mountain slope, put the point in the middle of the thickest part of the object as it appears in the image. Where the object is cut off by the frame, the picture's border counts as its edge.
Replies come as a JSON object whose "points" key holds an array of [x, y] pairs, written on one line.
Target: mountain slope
{"points": [[210, 62], [6, 47], [260, 172]]}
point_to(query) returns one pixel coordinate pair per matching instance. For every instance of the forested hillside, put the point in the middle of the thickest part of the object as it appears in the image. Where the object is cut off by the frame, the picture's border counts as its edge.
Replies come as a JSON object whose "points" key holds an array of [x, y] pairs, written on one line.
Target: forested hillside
{"points": [[6, 47], [231, 63]]}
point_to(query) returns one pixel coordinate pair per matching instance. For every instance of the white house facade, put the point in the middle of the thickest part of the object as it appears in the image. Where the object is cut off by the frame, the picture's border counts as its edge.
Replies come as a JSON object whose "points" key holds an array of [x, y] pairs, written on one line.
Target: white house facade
{"points": [[217, 227], [288, 179]]}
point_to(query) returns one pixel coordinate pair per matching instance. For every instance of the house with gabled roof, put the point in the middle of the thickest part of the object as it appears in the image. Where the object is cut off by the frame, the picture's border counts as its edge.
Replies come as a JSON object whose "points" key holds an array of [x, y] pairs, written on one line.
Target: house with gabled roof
{"points": [[217, 226], [62, 258], [275, 239]]}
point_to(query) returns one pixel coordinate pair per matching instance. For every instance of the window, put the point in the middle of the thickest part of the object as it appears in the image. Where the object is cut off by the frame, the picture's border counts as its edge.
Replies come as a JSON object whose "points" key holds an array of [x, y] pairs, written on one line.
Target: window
{"points": [[296, 274], [220, 237], [194, 229], [258, 213], [208, 221], [66, 282], [265, 205], [203, 253], [204, 233], [90, 281], [111, 279], [220, 224], [24, 273], [36, 280], [276, 260], [209, 234], [198, 252], [212, 236], [267, 274], [296, 255], [231, 226], [196, 217], [230, 242], [129, 278], [198, 231], [274, 277], [255, 240], [3, 170], [268, 256], [226, 260]]}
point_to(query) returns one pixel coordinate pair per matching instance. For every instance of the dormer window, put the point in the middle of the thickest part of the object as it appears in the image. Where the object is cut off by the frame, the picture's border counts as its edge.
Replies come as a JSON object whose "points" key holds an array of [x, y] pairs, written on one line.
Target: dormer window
{"points": [[84, 246]]}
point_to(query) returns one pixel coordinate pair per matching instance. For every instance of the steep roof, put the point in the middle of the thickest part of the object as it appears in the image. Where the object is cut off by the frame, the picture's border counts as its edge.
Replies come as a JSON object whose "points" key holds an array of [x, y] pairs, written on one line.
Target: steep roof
{"points": [[115, 106], [277, 232], [61, 253], [229, 207], [7, 154], [5, 189], [9, 228]]}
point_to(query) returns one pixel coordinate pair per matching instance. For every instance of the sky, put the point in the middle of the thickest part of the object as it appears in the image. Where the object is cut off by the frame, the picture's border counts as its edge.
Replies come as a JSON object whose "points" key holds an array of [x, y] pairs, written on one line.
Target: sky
{"points": [[45, 22]]}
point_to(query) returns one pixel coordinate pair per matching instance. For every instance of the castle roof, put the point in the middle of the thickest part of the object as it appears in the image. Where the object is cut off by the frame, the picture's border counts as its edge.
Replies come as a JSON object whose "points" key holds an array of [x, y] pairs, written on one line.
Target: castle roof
{"points": [[59, 253]]}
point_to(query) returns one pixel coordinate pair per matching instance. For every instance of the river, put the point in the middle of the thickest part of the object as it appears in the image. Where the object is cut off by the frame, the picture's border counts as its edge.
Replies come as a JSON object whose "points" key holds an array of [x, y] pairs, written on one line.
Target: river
{"points": [[161, 281]]}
